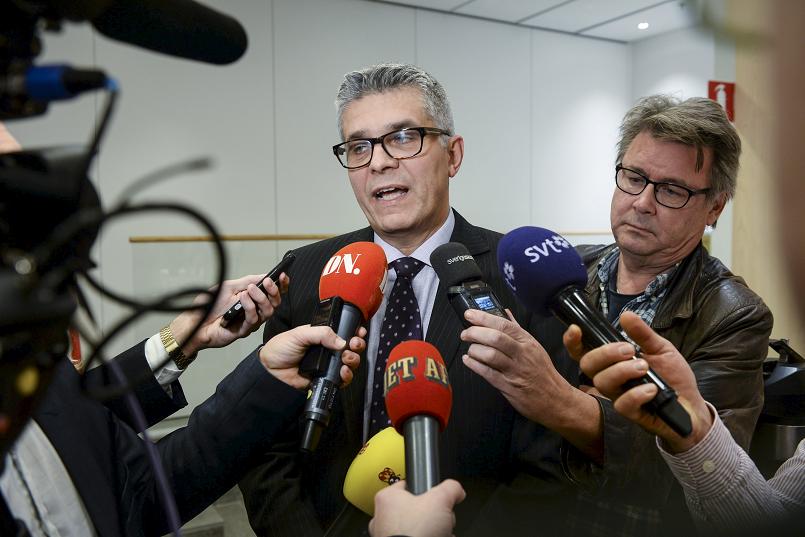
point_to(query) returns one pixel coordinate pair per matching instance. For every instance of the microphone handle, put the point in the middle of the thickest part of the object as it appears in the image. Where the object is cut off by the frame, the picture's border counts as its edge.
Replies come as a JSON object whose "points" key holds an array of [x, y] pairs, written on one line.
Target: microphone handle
{"points": [[571, 307], [319, 405], [421, 435]]}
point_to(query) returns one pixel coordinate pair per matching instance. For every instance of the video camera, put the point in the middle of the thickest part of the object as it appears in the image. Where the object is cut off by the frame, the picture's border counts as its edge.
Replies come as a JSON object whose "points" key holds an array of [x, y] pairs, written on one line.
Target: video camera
{"points": [[50, 212]]}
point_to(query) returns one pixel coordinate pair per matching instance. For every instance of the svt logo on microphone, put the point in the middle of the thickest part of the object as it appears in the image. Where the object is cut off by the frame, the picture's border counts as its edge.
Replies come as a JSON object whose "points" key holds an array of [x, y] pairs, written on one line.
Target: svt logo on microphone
{"points": [[346, 262], [556, 244]]}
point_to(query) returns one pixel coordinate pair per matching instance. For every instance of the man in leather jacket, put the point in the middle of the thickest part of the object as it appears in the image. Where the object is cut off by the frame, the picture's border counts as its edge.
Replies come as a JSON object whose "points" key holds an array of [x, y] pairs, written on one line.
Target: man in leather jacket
{"points": [[675, 171]]}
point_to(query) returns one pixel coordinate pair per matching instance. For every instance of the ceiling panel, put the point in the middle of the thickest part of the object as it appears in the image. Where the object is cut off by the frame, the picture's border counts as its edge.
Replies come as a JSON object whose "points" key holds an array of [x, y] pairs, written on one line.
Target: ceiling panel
{"points": [[662, 18], [439, 5], [582, 14], [507, 10], [602, 19]]}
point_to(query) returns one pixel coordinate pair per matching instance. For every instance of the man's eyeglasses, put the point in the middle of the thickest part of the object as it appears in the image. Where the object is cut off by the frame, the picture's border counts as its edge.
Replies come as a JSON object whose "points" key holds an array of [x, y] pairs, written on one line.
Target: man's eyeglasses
{"points": [[399, 144], [667, 194]]}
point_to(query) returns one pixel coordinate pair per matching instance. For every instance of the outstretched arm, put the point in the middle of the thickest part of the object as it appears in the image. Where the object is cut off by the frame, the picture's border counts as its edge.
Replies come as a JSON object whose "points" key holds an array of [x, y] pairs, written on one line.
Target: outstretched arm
{"points": [[723, 487]]}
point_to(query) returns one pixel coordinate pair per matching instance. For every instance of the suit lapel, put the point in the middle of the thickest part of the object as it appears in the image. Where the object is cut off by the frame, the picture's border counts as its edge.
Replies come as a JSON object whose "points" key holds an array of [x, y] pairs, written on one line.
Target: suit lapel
{"points": [[65, 418], [353, 395], [445, 326]]}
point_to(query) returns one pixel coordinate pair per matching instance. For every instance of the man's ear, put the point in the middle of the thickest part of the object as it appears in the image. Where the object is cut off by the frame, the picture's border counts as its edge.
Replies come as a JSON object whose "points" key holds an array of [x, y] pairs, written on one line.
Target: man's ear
{"points": [[717, 206], [455, 152]]}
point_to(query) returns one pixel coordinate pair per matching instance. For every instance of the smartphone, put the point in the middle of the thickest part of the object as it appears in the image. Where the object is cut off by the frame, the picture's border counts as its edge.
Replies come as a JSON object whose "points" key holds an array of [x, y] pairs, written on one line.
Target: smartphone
{"points": [[236, 313]]}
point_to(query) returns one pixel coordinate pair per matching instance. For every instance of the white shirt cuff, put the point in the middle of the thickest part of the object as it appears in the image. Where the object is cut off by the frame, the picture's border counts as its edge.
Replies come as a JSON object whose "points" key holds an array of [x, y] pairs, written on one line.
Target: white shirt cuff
{"points": [[156, 354]]}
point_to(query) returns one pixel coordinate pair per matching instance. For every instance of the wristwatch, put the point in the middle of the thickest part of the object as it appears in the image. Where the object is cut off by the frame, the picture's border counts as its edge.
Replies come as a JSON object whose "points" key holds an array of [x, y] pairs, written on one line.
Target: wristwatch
{"points": [[173, 349]]}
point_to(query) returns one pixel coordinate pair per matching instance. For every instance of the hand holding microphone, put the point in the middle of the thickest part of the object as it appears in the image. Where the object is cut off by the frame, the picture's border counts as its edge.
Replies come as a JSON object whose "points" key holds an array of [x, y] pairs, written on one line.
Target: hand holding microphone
{"points": [[611, 366], [547, 276], [375, 484], [510, 359], [398, 512], [350, 292], [237, 312], [256, 306], [282, 354]]}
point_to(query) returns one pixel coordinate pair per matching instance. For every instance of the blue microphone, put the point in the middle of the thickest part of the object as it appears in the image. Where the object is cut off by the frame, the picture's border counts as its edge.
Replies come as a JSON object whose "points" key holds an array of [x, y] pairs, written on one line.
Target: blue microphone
{"points": [[57, 82], [547, 275]]}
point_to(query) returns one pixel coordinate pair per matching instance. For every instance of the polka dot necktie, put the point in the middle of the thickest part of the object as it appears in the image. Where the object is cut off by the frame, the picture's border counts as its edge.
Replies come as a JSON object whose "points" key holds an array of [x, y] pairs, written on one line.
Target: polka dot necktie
{"points": [[401, 323]]}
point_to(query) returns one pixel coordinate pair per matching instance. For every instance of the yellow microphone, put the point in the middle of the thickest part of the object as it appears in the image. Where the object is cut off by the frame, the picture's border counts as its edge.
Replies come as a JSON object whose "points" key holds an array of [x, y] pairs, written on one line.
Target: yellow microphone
{"points": [[380, 463]]}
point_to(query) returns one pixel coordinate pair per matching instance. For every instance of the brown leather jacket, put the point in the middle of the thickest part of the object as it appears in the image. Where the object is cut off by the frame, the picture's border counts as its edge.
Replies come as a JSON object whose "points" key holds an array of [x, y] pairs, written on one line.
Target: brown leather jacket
{"points": [[719, 325], [722, 328]]}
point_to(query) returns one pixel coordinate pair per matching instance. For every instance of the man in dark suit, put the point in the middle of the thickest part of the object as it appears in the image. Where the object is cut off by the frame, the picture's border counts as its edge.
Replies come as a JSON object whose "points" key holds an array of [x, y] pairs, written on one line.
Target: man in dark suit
{"points": [[79, 468], [400, 151]]}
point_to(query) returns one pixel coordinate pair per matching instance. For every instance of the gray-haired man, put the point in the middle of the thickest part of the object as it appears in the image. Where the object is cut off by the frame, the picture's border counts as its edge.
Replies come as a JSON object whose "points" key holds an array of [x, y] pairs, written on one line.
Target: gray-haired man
{"points": [[675, 170], [400, 151]]}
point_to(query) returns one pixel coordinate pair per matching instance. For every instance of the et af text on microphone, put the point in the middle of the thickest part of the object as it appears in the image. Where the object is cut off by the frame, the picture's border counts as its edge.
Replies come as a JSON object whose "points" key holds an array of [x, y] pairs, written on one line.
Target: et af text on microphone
{"points": [[418, 401]]}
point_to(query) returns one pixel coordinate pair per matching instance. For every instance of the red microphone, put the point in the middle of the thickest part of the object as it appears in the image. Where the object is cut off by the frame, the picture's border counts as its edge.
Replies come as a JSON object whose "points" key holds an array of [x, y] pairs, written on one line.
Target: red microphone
{"points": [[357, 274], [350, 292], [418, 402]]}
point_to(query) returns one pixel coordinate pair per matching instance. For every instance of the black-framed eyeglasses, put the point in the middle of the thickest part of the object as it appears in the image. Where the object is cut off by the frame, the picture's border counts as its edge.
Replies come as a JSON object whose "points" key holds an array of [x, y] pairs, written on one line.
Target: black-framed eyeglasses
{"points": [[400, 144], [669, 195]]}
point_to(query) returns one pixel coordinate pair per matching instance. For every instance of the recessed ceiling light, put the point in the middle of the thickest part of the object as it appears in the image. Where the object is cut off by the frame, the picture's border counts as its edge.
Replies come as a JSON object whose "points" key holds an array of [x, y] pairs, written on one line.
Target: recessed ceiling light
{"points": [[642, 26]]}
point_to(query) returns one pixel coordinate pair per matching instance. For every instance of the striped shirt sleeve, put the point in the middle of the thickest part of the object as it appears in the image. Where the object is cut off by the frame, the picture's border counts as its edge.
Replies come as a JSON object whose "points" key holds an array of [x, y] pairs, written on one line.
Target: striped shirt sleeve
{"points": [[723, 487]]}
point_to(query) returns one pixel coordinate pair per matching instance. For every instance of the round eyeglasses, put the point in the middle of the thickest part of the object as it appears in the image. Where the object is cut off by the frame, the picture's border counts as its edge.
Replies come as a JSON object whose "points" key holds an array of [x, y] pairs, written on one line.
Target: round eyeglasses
{"points": [[400, 144], [668, 195]]}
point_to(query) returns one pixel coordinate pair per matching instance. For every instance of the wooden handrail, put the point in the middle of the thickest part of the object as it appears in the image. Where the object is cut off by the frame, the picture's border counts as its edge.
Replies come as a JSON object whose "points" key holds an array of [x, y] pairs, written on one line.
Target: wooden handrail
{"points": [[281, 237], [207, 238]]}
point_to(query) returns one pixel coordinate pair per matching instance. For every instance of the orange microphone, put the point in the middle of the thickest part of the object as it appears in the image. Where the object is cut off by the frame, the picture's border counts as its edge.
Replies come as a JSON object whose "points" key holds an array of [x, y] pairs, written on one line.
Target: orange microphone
{"points": [[350, 292], [418, 401]]}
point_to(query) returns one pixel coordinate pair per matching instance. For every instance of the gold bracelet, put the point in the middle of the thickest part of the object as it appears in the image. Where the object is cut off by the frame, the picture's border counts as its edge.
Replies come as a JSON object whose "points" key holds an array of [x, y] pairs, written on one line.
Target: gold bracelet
{"points": [[173, 348]]}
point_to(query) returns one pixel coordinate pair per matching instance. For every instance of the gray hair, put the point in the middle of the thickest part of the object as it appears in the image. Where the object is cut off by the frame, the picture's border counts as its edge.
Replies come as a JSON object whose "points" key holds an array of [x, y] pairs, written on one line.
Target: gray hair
{"points": [[696, 122], [391, 76]]}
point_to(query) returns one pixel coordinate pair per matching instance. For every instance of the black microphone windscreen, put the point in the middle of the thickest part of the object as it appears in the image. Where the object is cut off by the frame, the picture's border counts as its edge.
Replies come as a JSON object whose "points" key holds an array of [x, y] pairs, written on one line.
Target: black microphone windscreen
{"points": [[180, 28], [454, 265]]}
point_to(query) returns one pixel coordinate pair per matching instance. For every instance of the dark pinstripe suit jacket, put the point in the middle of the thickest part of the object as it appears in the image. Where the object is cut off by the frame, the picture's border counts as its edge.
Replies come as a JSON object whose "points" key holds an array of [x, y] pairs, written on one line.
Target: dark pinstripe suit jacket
{"points": [[289, 495], [106, 460]]}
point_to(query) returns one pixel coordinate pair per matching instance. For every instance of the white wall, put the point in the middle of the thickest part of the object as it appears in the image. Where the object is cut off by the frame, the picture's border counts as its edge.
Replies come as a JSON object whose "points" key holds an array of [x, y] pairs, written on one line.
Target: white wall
{"points": [[681, 63], [539, 112]]}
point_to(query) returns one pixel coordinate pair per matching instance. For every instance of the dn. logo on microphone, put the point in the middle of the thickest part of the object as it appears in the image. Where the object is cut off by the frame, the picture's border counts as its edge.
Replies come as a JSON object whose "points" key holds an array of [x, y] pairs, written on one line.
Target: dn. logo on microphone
{"points": [[556, 244], [402, 370], [346, 262]]}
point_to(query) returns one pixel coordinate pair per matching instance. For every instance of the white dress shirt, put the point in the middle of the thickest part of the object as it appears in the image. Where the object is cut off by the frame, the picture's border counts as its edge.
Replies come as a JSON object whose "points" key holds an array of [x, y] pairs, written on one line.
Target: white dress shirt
{"points": [[425, 284], [35, 483], [39, 491]]}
